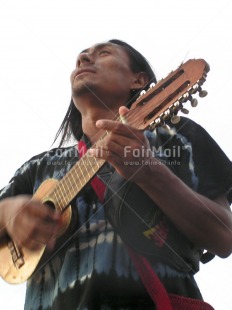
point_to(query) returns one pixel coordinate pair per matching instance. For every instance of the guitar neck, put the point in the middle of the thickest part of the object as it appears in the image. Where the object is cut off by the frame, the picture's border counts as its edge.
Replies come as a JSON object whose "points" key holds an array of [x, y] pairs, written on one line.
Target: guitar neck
{"points": [[161, 102], [73, 182]]}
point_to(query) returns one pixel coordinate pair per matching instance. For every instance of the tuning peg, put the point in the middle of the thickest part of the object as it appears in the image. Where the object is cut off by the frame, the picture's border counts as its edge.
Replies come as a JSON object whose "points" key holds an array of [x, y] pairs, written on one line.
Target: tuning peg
{"points": [[194, 102], [152, 85], [157, 121], [184, 98], [185, 111], [143, 92], [176, 104], [152, 126], [166, 127], [166, 114], [175, 107], [194, 89], [175, 119], [202, 93]]}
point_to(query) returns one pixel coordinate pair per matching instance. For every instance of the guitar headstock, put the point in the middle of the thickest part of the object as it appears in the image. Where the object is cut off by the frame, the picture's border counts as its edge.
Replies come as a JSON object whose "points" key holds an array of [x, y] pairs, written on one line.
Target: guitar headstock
{"points": [[165, 99]]}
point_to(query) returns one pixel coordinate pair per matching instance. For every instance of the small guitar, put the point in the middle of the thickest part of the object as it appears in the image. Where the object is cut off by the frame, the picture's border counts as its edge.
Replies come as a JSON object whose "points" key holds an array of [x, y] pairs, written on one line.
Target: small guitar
{"points": [[160, 102]]}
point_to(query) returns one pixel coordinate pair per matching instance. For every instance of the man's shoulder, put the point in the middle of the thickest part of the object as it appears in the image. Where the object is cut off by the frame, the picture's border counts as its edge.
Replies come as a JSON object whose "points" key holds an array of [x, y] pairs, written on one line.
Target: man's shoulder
{"points": [[56, 152], [54, 156]]}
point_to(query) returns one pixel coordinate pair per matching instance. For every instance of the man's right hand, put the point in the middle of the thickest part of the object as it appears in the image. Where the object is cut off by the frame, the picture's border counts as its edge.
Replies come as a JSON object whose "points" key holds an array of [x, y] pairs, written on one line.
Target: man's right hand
{"points": [[29, 222]]}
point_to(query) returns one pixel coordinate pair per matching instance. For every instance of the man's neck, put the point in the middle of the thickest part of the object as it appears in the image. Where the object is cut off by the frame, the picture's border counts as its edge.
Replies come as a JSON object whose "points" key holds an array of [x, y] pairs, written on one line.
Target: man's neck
{"points": [[92, 110], [89, 119]]}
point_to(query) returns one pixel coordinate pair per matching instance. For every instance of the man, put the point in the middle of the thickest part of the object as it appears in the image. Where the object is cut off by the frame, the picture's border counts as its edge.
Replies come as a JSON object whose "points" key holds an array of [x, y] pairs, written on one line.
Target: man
{"points": [[91, 268]]}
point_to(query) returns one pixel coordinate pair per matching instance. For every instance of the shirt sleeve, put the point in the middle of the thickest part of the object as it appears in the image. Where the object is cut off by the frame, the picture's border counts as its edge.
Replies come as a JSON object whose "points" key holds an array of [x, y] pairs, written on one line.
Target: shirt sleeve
{"points": [[212, 167], [20, 183], [54, 163]]}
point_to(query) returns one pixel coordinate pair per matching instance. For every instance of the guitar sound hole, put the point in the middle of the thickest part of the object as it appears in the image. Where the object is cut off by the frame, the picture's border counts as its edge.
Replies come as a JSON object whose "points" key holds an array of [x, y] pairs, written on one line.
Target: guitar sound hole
{"points": [[50, 204]]}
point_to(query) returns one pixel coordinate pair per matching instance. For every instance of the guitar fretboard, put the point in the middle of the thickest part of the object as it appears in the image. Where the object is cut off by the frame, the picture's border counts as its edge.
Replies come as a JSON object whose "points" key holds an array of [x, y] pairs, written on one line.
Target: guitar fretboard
{"points": [[71, 184]]}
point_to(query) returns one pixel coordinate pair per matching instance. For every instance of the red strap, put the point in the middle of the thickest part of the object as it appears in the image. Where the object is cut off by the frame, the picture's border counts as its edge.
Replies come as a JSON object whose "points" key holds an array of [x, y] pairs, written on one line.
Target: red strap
{"points": [[154, 286], [98, 186]]}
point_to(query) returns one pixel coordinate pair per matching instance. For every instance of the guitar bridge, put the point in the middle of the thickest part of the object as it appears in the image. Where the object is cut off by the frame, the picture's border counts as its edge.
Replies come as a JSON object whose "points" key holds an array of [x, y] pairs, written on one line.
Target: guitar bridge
{"points": [[16, 254]]}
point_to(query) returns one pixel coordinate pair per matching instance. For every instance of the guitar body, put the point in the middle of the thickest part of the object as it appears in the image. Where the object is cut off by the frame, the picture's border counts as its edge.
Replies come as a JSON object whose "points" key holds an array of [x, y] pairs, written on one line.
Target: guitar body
{"points": [[19, 263]]}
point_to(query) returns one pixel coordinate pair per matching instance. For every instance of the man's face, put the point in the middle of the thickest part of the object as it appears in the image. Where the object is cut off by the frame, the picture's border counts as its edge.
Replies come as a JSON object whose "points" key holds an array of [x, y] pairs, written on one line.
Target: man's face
{"points": [[103, 70]]}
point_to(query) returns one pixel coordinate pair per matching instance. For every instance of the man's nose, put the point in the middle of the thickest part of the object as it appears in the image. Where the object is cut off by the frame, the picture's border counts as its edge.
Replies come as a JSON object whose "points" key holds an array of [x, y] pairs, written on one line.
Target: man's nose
{"points": [[85, 58]]}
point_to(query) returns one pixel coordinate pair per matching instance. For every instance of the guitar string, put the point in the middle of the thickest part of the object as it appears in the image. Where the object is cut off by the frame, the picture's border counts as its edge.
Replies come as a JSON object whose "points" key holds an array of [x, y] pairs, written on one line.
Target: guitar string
{"points": [[62, 181], [67, 189], [75, 171], [158, 89]]}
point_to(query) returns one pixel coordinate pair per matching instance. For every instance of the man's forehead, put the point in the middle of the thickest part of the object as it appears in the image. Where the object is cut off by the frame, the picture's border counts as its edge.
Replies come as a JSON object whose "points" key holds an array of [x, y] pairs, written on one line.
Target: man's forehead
{"points": [[99, 46]]}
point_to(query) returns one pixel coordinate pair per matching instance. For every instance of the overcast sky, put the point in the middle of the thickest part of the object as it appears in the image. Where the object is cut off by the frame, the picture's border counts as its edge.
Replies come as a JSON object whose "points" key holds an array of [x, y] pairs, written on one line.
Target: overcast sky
{"points": [[39, 43]]}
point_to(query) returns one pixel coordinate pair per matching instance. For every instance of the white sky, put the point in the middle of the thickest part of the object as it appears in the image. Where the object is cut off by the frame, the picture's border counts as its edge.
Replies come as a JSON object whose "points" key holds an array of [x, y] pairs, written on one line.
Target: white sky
{"points": [[39, 42]]}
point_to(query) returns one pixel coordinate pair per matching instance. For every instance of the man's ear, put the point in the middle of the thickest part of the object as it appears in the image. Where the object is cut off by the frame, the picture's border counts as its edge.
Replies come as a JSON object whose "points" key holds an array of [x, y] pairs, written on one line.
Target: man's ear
{"points": [[140, 80]]}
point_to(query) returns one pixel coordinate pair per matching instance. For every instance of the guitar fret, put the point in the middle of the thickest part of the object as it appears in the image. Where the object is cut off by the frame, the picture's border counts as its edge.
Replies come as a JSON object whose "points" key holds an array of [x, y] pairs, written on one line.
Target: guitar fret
{"points": [[62, 184], [72, 182], [82, 171], [86, 167], [56, 194], [91, 165], [71, 187], [78, 176], [97, 162], [64, 198]]}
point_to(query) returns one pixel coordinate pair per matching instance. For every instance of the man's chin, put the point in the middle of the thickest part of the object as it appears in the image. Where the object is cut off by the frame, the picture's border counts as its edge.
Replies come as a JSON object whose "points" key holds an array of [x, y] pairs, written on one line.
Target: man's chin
{"points": [[81, 88], [84, 89]]}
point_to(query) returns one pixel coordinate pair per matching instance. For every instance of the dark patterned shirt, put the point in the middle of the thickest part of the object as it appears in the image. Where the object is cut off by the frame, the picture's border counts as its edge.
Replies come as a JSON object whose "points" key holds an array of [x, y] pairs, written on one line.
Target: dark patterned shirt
{"points": [[92, 269]]}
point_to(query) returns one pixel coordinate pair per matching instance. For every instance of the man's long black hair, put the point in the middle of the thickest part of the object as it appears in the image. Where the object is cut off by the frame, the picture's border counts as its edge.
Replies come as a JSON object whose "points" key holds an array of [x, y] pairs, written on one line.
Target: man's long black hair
{"points": [[71, 126]]}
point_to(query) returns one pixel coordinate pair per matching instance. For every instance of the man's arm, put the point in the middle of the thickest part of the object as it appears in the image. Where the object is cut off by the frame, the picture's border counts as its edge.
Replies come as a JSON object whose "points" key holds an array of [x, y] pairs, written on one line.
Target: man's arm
{"points": [[204, 222], [27, 221]]}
